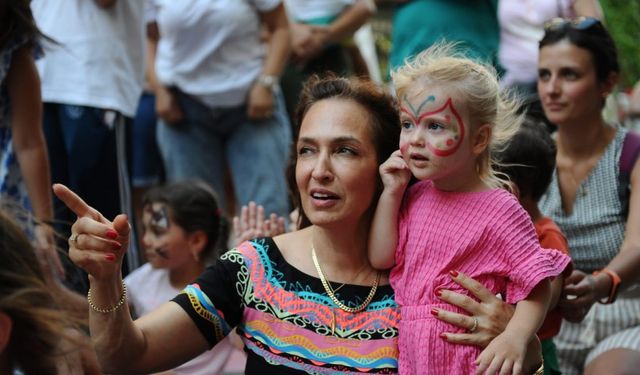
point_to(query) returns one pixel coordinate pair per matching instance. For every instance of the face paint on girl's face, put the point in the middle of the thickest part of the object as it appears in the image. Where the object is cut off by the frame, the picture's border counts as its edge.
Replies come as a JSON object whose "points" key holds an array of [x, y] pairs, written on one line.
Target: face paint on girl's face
{"points": [[446, 128], [159, 217]]}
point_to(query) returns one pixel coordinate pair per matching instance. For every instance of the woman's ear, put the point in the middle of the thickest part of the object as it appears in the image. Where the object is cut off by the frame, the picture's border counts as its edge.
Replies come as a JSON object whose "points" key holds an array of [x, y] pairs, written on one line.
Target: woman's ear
{"points": [[481, 139], [608, 84], [5, 331], [197, 242]]}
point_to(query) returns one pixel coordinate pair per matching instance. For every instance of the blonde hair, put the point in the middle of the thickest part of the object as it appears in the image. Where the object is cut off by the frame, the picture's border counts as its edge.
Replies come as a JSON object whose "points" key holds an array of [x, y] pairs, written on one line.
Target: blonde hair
{"points": [[476, 84]]}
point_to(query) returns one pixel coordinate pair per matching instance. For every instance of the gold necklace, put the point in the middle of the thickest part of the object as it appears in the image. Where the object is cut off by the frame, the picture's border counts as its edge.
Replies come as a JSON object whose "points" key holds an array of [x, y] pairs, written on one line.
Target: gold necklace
{"points": [[331, 293]]}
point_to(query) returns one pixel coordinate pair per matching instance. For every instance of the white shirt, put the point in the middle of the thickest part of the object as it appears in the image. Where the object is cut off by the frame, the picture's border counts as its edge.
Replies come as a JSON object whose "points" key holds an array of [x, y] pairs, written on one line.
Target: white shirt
{"points": [[210, 49], [148, 288], [521, 28], [303, 10], [99, 58]]}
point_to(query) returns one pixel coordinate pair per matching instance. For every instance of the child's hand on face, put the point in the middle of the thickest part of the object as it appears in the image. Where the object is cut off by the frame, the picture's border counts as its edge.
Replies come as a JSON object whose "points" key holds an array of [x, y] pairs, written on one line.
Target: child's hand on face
{"points": [[395, 173], [504, 355]]}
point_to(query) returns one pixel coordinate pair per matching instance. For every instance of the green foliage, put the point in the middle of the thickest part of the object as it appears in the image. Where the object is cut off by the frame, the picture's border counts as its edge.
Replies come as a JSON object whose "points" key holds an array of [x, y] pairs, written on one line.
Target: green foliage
{"points": [[622, 18]]}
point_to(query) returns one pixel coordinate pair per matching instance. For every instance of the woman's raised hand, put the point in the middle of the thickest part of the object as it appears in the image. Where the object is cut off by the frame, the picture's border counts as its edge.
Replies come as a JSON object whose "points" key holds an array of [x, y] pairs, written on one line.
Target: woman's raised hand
{"points": [[96, 245]]}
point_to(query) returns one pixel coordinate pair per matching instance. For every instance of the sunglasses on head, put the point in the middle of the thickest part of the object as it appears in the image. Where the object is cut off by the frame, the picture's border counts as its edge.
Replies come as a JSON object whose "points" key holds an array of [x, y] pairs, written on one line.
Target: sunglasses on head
{"points": [[580, 23]]}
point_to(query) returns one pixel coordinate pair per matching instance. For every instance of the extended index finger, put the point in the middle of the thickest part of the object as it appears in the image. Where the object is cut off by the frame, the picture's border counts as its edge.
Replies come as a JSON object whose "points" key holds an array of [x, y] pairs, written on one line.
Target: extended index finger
{"points": [[477, 289], [75, 203]]}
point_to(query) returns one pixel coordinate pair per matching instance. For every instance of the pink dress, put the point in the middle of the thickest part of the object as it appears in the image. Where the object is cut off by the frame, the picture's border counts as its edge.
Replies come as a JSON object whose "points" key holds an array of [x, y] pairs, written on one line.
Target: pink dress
{"points": [[488, 236]]}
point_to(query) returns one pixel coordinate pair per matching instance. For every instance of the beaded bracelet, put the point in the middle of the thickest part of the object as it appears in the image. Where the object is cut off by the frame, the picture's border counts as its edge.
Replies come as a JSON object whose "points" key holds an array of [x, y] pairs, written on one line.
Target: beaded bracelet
{"points": [[118, 305]]}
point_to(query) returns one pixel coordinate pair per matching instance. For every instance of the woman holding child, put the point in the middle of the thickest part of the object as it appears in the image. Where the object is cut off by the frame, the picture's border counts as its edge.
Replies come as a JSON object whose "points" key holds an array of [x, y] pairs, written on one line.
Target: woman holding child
{"points": [[276, 290], [590, 202]]}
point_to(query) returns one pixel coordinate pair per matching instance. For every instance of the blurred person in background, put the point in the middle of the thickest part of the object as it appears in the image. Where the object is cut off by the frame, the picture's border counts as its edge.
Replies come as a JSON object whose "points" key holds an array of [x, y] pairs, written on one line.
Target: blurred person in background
{"points": [[91, 81], [218, 98], [521, 28]]}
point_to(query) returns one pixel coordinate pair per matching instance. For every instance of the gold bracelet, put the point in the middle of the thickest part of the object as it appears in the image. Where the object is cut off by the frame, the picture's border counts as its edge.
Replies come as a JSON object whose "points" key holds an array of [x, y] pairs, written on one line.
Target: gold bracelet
{"points": [[540, 369], [118, 305]]}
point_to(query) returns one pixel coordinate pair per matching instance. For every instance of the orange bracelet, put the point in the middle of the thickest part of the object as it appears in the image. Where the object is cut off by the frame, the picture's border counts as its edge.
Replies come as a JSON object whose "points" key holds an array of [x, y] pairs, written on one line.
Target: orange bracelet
{"points": [[615, 283]]}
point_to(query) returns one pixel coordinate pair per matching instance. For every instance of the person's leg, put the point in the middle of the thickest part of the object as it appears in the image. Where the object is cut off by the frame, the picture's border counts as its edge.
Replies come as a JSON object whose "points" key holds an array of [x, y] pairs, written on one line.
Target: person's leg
{"points": [[618, 343], [57, 150], [615, 362], [193, 148], [258, 153], [145, 158], [90, 140], [573, 344]]}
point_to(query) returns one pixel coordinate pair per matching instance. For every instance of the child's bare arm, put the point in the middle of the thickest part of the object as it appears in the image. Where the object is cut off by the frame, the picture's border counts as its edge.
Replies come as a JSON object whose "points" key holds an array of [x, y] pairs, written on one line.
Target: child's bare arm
{"points": [[383, 235], [505, 354]]}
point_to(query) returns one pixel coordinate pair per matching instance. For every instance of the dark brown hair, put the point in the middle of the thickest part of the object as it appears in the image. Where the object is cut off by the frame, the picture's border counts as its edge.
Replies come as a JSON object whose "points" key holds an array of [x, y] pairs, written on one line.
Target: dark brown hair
{"points": [[38, 323], [193, 206], [16, 20], [383, 114]]}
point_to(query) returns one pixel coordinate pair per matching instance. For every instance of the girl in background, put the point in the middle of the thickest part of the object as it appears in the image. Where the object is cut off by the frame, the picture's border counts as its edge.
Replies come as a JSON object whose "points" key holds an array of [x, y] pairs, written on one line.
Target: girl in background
{"points": [[183, 230]]}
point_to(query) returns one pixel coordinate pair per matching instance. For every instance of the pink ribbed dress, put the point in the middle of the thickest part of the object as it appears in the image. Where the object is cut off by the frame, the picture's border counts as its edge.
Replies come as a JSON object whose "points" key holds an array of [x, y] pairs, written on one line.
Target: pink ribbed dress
{"points": [[488, 236]]}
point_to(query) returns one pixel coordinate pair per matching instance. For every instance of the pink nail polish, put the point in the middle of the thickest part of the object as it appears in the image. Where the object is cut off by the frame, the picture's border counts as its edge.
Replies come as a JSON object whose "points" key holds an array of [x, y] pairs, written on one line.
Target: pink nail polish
{"points": [[453, 273], [112, 234], [110, 257]]}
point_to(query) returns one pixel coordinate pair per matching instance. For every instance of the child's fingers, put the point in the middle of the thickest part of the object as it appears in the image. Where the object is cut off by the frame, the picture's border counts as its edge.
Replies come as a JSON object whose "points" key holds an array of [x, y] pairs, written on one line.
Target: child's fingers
{"points": [[259, 214], [517, 368], [494, 366], [252, 215], [244, 218], [507, 368], [483, 362], [281, 225], [236, 227]]}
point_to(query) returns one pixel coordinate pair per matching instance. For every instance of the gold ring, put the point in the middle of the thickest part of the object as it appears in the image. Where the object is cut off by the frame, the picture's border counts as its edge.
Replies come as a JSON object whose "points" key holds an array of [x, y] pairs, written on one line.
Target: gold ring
{"points": [[74, 238], [474, 326]]}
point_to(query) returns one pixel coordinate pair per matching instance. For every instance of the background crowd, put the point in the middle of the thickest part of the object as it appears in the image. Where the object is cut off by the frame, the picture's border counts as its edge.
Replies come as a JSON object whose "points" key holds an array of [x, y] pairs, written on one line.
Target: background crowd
{"points": [[183, 114]]}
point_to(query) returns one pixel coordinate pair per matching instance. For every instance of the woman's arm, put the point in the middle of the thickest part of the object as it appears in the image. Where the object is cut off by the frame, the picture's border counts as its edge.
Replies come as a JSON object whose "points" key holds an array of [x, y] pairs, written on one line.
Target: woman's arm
{"points": [[492, 316], [158, 341], [167, 107], [342, 28], [261, 100], [31, 149], [589, 289]]}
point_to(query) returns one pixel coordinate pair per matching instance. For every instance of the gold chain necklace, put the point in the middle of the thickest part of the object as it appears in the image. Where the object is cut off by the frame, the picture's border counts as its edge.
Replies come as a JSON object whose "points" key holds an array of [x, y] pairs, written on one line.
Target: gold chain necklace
{"points": [[330, 292]]}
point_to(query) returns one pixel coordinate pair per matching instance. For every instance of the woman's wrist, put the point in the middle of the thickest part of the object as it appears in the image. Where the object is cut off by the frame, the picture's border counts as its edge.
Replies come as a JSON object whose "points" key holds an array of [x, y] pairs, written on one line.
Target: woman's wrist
{"points": [[601, 286]]}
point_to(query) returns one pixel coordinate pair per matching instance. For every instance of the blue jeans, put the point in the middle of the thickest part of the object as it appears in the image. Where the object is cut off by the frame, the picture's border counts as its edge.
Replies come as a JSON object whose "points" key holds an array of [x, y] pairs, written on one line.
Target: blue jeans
{"points": [[87, 152], [256, 151]]}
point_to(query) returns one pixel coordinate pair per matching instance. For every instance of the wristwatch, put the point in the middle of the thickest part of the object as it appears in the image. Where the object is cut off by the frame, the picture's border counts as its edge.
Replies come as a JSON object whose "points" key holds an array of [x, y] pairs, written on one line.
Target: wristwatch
{"points": [[269, 81], [615, 283]]}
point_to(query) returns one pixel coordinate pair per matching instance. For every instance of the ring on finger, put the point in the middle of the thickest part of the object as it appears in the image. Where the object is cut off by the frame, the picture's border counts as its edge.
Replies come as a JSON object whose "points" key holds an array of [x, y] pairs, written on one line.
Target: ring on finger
{"points": [[74, 238], [474, 326]]}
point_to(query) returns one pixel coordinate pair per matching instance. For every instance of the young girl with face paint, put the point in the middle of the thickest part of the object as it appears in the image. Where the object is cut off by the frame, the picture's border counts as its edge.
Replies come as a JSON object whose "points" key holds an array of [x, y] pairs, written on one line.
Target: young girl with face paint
{"points": [[457, 217], [183, 229]]}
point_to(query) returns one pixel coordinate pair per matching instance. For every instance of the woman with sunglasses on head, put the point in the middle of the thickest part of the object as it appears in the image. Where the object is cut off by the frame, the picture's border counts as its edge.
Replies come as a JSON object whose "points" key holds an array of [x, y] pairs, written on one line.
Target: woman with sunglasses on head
{"points": [[521, 27], [577, 69], [305, 301]]}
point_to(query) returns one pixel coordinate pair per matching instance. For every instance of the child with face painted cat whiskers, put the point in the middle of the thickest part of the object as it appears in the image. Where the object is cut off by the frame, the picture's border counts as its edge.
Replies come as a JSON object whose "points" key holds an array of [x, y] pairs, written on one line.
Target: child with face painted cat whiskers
{"points": [[458, 217], [183, 229]]}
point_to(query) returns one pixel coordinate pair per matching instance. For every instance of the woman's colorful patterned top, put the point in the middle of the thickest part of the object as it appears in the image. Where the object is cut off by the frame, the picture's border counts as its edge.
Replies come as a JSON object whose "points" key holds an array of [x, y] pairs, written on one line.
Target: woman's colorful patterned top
{"points": [[285, 318]]}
